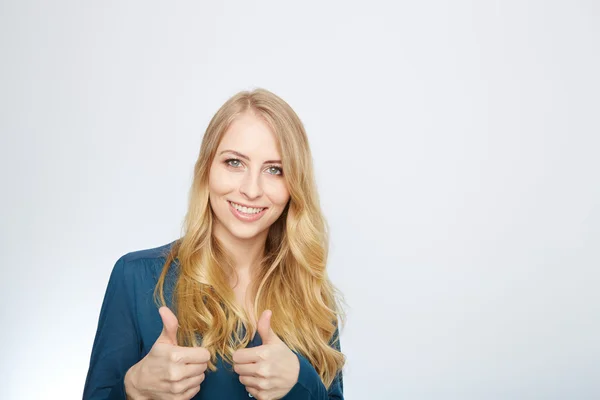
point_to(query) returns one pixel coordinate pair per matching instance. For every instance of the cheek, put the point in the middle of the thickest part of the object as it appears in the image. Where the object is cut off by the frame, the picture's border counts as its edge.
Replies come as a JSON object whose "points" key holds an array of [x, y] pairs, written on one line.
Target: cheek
{"points": [[278, 194], [219, 182]]}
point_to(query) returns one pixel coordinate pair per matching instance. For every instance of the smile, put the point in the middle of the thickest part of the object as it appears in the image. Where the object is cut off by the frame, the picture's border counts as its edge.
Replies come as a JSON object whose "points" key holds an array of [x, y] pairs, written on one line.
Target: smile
{"points": [[246, 214]]}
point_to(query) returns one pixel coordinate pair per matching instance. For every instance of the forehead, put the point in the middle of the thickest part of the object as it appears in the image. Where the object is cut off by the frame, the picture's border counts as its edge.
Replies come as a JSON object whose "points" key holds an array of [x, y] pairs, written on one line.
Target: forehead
{"points": [[252, 136]]}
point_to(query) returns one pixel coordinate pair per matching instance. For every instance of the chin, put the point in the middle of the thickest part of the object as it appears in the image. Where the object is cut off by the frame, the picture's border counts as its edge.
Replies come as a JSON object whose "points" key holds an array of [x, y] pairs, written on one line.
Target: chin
{"points": [[244, 234]]}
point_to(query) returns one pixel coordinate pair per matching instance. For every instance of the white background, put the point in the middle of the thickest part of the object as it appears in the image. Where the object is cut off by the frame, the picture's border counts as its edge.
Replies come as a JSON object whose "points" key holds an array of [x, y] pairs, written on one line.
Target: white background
{"points": [[456, 148]]}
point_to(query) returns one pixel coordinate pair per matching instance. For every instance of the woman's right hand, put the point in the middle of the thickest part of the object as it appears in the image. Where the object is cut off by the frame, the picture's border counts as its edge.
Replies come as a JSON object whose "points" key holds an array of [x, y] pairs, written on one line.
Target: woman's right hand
{"points": [[168, 372]]}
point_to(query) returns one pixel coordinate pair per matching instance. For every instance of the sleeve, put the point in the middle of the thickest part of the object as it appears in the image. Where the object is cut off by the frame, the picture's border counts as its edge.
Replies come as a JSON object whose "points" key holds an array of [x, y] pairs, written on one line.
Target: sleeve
{"points": [[116, 345], [310, 386]]}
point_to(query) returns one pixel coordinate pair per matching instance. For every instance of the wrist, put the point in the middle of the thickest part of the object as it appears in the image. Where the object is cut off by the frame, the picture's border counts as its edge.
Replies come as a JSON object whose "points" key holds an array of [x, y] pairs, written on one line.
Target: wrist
{"points": [[130, 383], [295, 370]]}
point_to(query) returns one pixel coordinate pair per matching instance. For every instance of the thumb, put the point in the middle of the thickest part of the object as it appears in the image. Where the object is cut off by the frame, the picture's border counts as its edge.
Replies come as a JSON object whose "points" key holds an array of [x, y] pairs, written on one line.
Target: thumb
{"points": [[264, 328], [170, 324]]}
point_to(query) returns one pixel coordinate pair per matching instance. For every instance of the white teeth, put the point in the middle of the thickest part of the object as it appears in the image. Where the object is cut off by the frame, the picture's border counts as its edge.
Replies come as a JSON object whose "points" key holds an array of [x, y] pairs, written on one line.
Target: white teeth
{"points": [[246, 210]]}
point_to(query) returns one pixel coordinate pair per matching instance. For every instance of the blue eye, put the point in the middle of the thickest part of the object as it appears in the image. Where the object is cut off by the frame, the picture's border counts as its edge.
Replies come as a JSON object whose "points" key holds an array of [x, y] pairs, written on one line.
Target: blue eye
{"points": [[278, 170], [236, 163], [234, 160]]}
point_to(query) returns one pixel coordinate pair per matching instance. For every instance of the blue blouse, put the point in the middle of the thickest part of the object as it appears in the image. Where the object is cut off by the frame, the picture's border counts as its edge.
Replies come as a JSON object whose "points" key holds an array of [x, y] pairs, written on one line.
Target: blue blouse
{"points": [[129, 324]]}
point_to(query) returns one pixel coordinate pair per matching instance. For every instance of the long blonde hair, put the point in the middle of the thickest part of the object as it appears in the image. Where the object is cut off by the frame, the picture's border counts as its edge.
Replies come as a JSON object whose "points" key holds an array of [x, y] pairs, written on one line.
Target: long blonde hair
{"points": [[292, 280]]}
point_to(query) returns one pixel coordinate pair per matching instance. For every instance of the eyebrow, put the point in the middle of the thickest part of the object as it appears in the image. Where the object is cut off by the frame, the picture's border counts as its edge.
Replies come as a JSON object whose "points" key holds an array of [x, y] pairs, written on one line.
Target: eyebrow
{"points": [[245, 157]]}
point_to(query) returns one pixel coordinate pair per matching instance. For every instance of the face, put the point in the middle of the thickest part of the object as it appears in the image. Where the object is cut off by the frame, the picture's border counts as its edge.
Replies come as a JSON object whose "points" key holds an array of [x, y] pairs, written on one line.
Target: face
{"points": [[247, 189]]}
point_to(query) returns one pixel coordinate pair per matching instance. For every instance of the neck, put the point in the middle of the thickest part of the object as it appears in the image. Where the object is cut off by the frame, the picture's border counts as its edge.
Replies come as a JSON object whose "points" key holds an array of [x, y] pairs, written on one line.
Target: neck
{"points": [[245, 253]]}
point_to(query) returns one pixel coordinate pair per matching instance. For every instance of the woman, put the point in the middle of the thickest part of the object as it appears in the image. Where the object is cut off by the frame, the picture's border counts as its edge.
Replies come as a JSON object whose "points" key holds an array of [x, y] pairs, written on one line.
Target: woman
{"points": [[240, 306]]}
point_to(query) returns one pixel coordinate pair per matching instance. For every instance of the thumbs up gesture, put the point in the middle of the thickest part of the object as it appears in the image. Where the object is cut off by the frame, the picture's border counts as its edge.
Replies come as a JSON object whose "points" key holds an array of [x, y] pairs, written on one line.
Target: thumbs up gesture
{"points": [[268, 371], [168, 371]]}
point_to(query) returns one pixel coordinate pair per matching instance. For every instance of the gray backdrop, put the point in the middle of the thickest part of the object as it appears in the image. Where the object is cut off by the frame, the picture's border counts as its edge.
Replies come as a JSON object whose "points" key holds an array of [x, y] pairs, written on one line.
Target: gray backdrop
{"points": [[456, 148]]}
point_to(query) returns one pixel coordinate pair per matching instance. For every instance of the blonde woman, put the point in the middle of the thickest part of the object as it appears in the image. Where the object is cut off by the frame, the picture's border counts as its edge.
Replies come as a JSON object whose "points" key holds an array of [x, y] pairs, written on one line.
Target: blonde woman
{"points": [[241, 305]]}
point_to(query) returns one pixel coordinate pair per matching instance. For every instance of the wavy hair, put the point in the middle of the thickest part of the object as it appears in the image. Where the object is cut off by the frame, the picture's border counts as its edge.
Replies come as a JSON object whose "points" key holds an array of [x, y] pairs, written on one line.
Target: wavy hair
{"points": [[291, 281]]}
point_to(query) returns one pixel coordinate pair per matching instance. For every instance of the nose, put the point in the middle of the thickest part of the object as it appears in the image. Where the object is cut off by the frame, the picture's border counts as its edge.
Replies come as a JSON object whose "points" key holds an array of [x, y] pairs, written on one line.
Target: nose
{"points": [[251, 187]]}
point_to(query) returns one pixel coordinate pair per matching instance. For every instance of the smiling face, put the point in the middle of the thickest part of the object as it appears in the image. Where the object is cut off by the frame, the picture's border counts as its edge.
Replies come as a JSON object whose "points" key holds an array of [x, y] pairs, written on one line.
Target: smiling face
{"points": [[247, 190]]}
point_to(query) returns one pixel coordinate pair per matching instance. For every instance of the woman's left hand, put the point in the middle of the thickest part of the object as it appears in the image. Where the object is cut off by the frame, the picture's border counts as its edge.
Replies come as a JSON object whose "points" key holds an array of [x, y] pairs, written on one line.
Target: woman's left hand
{"points": [[268, 371]]}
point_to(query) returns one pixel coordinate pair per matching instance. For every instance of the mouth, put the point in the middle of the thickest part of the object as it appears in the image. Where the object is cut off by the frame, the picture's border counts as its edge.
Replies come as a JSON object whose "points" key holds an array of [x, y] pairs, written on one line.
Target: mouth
{"points": [[247, 214]]}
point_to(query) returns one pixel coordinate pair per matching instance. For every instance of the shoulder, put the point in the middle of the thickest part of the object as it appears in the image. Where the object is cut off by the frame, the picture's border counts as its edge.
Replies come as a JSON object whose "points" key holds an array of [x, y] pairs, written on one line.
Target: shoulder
{"points": [[155, 254], [139, 266]]}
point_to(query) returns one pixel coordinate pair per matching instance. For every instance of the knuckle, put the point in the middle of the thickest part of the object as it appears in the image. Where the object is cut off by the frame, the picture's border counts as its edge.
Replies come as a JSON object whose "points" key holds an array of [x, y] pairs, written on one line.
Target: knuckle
{"points": [[262, 396], [176, 388], [263, 354], [263, 371], [175, 357], [195, 391], [172, 374], [263, 384]]}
